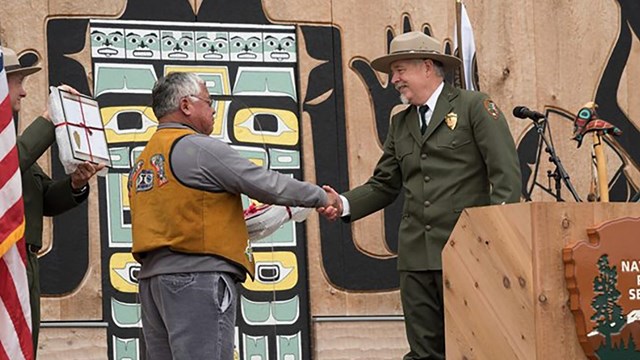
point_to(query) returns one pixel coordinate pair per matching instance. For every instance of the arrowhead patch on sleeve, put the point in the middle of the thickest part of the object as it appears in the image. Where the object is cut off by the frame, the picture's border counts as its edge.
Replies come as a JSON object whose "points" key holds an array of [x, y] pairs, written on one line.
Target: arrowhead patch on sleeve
{"points": [[492, 108]]}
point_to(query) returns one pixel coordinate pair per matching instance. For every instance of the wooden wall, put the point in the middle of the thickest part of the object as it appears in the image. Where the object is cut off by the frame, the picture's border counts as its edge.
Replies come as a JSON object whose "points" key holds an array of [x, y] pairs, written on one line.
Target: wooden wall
{"points": [[539, 54]]}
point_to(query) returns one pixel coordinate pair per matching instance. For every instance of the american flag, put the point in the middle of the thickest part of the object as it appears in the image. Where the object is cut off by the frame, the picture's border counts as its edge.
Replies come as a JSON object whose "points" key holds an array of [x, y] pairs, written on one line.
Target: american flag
{"points": [[15, 311]]}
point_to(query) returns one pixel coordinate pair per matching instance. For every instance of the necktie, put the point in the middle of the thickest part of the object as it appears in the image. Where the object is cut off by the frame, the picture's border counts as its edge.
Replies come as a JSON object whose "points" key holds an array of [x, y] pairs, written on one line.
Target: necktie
{"points": [[423, 121]]}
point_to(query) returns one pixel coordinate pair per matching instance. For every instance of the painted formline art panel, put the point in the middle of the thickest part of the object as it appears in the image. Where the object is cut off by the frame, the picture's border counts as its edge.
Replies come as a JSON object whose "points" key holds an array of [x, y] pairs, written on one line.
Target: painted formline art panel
{"points": [[192, 42], [275, 271], [255, 114], [267, 313], [126, 349]]}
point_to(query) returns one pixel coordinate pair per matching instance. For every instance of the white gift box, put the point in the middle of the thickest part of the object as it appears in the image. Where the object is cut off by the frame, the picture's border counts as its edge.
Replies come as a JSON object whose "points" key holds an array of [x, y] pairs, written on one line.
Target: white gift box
{"points": [[264, 220], [79, 130]]}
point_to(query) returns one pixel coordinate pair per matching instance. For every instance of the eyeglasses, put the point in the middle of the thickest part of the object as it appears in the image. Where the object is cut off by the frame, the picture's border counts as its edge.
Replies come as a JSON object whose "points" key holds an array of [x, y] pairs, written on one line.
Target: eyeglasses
{"points": [[207, 100]]}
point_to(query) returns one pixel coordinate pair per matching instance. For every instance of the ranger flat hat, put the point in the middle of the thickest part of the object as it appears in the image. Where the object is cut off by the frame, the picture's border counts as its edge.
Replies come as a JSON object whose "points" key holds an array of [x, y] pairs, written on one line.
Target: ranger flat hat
{"points": [[12, 64], [414, 45]]}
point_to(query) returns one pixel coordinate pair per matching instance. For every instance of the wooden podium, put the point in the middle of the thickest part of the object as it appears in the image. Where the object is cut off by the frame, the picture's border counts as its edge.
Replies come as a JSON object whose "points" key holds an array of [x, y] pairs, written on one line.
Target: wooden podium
{"points": [[504, 282]]}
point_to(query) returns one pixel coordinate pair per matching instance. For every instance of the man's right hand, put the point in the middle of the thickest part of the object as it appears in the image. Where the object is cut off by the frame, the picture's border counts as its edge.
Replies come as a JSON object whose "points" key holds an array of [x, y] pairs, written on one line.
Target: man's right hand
{"points": [[333, 208]]}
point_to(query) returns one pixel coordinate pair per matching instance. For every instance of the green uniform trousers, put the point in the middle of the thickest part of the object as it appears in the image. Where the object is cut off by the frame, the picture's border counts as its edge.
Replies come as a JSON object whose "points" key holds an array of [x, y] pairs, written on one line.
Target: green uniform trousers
{"points": [[33, 277], [421, 293]]}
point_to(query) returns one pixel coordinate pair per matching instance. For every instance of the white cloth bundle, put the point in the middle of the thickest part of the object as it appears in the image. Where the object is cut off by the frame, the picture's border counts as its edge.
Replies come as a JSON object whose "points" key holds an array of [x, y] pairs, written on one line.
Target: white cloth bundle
{"points": [[65, 152], [264, 220]]}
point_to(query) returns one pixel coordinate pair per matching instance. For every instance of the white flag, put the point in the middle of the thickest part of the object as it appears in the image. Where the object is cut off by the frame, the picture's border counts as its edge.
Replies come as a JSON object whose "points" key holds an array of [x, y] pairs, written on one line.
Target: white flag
{"points": [[468, 49]]}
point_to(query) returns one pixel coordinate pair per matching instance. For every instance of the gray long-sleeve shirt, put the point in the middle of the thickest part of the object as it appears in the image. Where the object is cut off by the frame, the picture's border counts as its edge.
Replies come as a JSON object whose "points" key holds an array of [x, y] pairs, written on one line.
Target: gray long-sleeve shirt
{"points": [[204, 163], [201, 162]]}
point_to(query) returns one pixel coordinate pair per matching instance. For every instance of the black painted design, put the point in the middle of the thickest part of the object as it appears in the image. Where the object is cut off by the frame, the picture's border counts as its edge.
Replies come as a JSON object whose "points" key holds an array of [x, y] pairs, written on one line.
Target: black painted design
{"points": [[346, 267], [606, 94]]}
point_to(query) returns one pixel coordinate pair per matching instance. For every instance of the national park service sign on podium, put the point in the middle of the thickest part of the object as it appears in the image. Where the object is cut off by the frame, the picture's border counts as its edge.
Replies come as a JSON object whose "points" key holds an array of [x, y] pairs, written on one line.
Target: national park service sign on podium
{"points": [[603, 279]]}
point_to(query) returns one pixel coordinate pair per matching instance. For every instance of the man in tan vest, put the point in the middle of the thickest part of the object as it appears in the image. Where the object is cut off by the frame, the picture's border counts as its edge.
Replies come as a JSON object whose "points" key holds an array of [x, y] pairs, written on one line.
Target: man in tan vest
{"points": [[188, 227]]}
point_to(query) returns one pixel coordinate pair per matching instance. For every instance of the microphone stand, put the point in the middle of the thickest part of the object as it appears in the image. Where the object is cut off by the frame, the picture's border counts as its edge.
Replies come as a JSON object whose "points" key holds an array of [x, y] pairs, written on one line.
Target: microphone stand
{"points": [[560, 175]]}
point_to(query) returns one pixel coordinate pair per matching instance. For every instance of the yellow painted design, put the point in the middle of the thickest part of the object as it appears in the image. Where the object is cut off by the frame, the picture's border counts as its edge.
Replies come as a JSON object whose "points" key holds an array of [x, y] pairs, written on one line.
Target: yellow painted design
{"points": [[287, 132], [124, 193], [287, 273], [123, 272], [115, 135]]}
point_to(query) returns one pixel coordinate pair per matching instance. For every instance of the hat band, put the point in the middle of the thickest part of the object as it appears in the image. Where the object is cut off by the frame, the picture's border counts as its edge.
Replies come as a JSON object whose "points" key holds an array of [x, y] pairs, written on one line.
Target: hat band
{"points": [[434, 52], [12, 67]]}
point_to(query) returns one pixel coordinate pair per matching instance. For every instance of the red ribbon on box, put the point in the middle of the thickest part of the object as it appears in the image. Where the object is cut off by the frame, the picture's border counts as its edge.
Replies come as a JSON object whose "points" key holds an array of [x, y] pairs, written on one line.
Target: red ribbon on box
{"points": [[83, 125]]}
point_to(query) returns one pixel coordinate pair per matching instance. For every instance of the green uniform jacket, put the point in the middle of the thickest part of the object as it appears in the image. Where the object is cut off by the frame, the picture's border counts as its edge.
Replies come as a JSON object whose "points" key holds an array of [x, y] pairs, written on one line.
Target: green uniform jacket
{"points": [[441, 173], [42, 196]]}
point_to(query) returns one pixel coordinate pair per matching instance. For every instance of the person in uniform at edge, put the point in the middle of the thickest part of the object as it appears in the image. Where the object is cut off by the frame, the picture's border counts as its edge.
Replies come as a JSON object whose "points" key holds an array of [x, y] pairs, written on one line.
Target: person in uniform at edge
{"points": [[450, 149], [42, 196], [188, 227]]}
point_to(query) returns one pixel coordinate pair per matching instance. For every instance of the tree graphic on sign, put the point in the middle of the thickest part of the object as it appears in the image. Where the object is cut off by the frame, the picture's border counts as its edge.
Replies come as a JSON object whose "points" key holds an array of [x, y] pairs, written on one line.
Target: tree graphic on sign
{"points": [[608, 315]]}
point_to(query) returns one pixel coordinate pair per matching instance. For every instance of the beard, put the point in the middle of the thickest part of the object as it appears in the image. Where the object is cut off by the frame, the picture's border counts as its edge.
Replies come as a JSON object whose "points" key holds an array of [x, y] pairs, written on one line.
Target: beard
{"points": [[404, 100]]}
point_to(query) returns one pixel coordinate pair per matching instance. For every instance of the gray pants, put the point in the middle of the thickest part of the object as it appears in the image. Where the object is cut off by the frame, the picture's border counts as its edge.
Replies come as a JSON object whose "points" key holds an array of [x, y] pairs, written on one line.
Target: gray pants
{"points": [[189, 316]]}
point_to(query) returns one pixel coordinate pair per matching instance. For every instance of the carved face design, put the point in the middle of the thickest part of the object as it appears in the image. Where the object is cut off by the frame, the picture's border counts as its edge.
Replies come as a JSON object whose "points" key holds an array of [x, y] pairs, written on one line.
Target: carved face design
{"points": [[279, 47], [143, 44], [107, 43], [212, 46], [246, 46], [178, 45]]}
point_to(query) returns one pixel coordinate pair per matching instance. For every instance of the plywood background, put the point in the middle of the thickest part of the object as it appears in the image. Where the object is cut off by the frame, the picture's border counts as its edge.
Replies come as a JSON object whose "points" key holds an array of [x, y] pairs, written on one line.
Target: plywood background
{"points": [[532, 53]]}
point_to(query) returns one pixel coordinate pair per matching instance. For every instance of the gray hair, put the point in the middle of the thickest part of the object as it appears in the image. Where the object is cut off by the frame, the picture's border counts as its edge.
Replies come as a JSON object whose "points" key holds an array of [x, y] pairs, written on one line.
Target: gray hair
{"points": [[169, 90], [437, 65]]}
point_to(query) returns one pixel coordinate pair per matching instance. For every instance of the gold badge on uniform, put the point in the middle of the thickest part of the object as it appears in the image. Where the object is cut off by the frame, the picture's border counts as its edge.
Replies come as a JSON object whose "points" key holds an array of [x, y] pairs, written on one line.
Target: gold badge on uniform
{"points": [[451, 120]]}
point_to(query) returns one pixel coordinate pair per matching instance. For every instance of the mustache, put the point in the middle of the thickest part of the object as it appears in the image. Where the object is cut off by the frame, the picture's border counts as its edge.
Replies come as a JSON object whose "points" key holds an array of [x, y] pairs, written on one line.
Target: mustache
{"points": [[399, 85]]}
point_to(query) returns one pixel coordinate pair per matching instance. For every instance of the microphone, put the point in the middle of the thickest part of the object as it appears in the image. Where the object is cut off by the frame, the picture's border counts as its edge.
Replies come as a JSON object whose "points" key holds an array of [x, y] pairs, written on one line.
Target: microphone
{"points": [[523, 112]]}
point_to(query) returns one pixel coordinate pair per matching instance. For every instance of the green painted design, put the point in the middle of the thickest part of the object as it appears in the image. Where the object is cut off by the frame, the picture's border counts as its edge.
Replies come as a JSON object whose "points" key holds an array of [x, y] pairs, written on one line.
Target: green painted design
{"points": [[255, 347], [245, 46], [265, 82], [285, 312], [124, 79], [289, 347], [279, 47], [120, 157], [212, 46], [214, 83], [126, 315], [107, 43], [119, 231], [284, 159], [178, 45], [126, 349], [143, 44]]}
